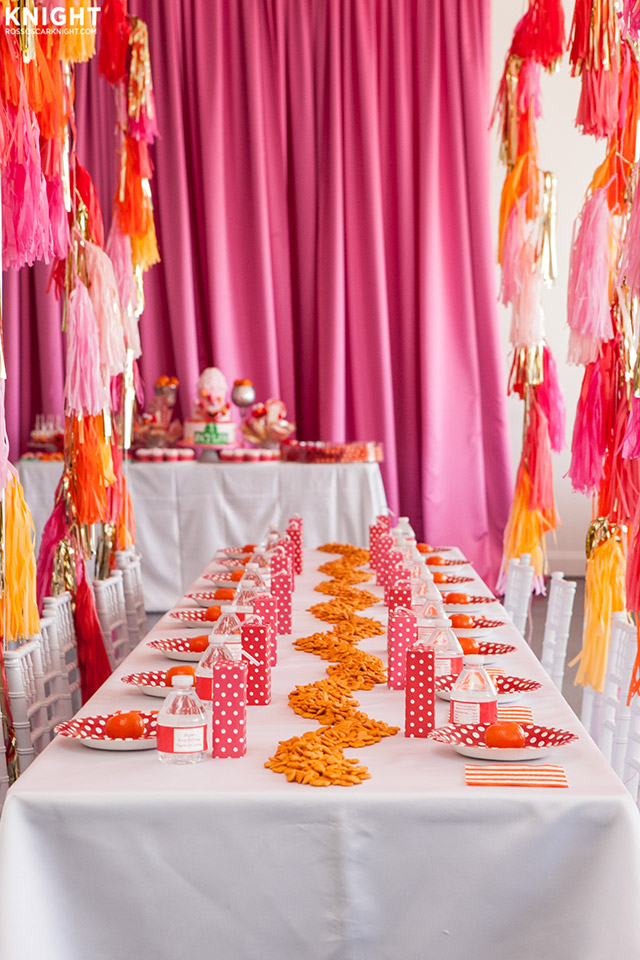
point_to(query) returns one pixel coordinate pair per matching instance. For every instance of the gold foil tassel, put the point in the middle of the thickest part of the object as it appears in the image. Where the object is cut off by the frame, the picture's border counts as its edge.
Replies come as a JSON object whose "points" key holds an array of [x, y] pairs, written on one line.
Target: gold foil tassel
{"points": [[548, 254]]}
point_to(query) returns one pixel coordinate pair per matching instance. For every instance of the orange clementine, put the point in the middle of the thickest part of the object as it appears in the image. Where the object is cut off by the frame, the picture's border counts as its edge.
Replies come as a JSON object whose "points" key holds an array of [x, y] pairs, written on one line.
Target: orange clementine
{"points": [[125, 726], [469, 645], [176, 671], [199, 644], [505, 734], [435, 561], [457, 598], [424, 548], [250, 548], [212, 613], [440, 577], [224, 593], [237, 575], [462, 621]]}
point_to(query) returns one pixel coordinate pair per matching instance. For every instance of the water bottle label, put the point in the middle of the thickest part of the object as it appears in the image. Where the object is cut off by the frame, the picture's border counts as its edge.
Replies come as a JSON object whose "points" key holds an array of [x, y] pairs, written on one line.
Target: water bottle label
{"points": [[204, 687], [465, 711], [182, 739], [448, 665]]}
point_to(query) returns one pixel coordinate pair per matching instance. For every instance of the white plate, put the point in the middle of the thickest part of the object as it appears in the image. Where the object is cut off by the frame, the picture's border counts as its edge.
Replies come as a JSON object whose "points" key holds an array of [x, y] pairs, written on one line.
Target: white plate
{"points": [[503, 754], [144, 743], [183, 655], [153, 691]]}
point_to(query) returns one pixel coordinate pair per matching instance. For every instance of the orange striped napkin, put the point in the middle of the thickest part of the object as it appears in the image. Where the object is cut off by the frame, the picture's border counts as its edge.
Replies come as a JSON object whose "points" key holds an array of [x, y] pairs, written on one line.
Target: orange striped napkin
{"points": [[515, 775], [515, 714]]}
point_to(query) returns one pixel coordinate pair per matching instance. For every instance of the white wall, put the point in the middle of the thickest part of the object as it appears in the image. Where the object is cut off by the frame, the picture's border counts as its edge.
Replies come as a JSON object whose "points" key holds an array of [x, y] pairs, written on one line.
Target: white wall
{"points": [[573, 158]]}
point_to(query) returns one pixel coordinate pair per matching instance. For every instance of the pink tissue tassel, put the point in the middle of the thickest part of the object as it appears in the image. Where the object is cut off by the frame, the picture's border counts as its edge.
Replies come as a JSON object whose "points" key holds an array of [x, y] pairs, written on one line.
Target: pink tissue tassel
{"points": [[588, 313], [59, 218], [105, 298], [26, 231], [598, 106], [630, 258], [587, 445], [119, 250], [549, 396], [630, 26], [631, 442], [84, 388], [521, 283]]}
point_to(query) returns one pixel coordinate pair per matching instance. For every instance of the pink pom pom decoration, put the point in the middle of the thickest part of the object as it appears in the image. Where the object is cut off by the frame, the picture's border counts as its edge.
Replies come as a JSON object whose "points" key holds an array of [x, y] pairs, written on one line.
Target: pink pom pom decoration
{"points": [[105, 299], [588, 309], [587, 445], [551, 401], [84, 388]]}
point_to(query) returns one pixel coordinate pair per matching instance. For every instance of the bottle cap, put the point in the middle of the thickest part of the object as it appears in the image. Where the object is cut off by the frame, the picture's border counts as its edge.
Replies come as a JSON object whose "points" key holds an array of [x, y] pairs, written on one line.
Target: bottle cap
{"points": [[182, 680], [474, 660]]}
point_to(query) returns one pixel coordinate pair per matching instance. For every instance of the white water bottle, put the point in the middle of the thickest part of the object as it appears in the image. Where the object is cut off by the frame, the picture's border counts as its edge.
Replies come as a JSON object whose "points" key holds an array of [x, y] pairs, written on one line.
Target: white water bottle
{"points": [[474, 698], [182, 724]]}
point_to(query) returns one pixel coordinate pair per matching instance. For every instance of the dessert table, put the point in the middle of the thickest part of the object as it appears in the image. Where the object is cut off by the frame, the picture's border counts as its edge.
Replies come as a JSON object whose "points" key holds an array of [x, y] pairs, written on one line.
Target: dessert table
{"points": [[114, 854], [183, 510]]}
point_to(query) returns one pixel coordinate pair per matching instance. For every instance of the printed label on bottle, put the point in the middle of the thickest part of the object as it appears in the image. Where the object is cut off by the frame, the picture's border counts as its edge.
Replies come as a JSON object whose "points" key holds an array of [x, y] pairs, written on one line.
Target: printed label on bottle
{"points": [[204, 687], [448, 665], [465, 711], [182, 739]]}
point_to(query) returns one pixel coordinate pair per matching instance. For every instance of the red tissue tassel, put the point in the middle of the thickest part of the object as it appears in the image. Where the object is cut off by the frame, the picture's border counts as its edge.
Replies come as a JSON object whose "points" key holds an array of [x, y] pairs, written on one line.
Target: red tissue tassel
{"points": [[549, 396], [92, 657], [538, 454], [587, 445], [540, 33], [115, 31], [55, 530], [631, 442], [82, 182], [597, 113]]}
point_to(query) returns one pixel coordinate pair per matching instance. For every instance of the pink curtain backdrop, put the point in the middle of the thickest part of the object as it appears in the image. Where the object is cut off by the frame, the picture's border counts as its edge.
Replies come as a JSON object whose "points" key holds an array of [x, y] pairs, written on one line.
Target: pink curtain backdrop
{"points": [[321, 189]]}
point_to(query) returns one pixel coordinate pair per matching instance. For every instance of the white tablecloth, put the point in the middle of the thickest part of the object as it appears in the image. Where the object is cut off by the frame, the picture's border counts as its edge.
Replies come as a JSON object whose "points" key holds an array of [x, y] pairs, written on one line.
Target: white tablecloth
{"points": [[116, 855], [185, 511]]}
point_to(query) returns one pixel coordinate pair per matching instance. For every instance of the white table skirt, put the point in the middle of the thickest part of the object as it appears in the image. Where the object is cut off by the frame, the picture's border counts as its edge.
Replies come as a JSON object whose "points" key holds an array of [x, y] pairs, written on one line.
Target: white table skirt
{"points": [[186, 511], [107, 855]]}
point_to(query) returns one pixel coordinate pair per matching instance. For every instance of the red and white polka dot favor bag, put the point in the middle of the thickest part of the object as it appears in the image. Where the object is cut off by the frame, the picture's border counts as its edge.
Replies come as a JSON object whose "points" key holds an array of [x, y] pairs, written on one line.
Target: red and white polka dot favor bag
{"points": [[420, 692], [388, 567], [266, 607], [375, 532], [399, 595], [401, 633], [229, 713], [256, 641], [281, 590], [295, 531], [281, 563]]}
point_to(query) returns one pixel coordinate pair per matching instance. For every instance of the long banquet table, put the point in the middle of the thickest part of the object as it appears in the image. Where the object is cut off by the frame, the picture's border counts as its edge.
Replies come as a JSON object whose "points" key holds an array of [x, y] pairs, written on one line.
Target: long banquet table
{"points": [[116, 855], [183, 509]]}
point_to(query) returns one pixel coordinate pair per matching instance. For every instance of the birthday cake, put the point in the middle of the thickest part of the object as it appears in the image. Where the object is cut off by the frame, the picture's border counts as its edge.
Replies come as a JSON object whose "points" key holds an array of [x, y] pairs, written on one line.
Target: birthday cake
{"points": [[210, 425]]}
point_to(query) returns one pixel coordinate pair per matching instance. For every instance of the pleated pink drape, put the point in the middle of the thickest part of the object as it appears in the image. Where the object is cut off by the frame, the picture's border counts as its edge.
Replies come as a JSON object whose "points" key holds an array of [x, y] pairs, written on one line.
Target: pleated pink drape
{"points": [[321, 192]]}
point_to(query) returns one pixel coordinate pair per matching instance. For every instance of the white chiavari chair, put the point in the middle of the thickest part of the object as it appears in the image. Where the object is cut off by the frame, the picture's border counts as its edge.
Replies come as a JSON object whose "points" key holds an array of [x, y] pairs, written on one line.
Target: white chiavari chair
{"points": [[61, 609], [517, 596], [25, 686], [56, 681], [614, 730], [4, 776], [557, 624], [129, 563], [631, 769], [112, 615]]}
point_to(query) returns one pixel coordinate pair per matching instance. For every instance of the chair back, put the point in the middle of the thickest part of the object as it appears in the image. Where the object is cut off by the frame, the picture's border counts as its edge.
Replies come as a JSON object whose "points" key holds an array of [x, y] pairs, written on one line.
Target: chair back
{"points": [[25, 686], [56, 680], [517, 596], [112, 615], [614, 731], [130, 565], [557, 623], [4, 775], [631, 769], [61, 610]]}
